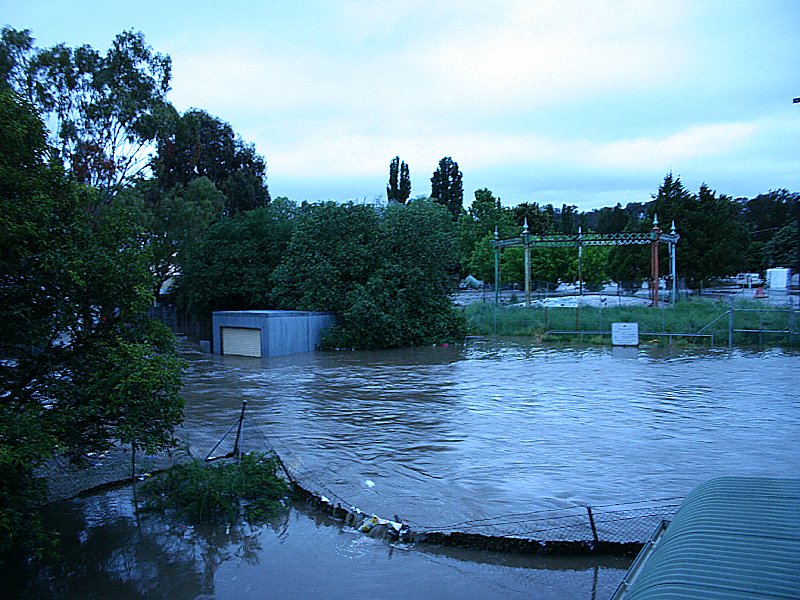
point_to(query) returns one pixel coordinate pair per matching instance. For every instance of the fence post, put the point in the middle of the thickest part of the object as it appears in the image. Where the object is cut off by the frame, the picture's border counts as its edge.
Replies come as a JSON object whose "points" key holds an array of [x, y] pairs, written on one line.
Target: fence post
{"points": [[236, 448], [730, 326], [601, 318], [591, 522]]}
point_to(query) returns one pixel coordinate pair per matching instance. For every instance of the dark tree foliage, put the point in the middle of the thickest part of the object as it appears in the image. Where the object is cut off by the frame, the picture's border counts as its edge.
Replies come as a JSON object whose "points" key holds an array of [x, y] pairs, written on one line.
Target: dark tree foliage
{"points": [[399, 188], [766, 214], [332, 252], [105, 110], [82, 367], [386, 276], [170, 220], [230, 267], [712, 237], [612, 220], [783, 250], [446, 186], [198, 144], [713, 240], [569, 219], [540, 219]]}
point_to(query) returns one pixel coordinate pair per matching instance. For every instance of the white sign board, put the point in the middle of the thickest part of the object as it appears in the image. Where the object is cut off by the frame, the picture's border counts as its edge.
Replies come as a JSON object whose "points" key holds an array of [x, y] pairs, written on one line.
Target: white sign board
{"points": [[625, 334]]}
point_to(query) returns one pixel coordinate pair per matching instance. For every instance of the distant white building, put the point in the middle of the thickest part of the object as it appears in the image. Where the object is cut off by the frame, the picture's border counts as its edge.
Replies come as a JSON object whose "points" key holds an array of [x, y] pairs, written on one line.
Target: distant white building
{"points": [[778, 278]]}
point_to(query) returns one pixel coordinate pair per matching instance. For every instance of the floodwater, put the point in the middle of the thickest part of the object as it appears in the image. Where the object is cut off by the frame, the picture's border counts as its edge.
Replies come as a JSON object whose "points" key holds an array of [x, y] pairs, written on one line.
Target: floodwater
{"points": [[439, 436], [448, 434], [110, 552]]}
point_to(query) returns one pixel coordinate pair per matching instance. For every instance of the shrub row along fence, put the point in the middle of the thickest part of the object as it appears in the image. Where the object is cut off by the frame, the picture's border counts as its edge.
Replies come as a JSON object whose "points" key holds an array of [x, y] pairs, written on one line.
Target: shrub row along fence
{"points": [[612, 529]]}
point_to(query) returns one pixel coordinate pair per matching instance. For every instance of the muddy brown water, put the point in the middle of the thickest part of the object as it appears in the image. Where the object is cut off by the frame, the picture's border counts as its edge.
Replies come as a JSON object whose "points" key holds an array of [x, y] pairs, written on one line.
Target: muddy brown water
{"points": [[443, 435], [436, 436]]}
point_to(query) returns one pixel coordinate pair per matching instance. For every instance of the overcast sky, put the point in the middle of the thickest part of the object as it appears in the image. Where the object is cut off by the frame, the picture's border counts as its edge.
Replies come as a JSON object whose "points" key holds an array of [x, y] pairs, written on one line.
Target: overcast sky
{"points": [[585, 103]]}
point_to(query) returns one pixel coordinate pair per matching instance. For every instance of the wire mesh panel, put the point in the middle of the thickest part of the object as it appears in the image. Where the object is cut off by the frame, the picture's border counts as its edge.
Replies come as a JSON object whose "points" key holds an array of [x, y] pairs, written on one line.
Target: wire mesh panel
{"points": [[581, 527], [621, 523]]}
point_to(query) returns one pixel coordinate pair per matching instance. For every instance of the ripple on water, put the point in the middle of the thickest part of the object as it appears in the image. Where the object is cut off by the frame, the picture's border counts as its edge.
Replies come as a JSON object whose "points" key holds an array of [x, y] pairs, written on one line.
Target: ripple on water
{"points": [[499, 428]]}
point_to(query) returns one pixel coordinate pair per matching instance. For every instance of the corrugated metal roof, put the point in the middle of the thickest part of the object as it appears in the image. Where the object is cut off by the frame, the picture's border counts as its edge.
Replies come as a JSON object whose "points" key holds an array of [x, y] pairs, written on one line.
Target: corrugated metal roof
{"points": [[733, 537]]}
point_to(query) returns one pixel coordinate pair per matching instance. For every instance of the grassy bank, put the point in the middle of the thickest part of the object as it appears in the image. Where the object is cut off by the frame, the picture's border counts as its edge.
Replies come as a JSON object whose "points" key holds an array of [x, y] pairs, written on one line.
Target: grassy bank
{"points": [[754, 324]]}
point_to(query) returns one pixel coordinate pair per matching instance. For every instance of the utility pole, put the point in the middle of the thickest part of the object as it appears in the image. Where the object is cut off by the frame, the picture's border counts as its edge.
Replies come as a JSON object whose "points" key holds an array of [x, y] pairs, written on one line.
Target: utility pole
{"points": [[672, 266], [580, 263], [797, 211], [654, 277], [527, 265], [496, 268]]}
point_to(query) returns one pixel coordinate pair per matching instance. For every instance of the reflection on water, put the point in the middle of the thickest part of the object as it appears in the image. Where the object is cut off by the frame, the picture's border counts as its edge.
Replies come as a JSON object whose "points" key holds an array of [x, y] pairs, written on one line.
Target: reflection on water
{"points": [[109, 552], [448, 434]]}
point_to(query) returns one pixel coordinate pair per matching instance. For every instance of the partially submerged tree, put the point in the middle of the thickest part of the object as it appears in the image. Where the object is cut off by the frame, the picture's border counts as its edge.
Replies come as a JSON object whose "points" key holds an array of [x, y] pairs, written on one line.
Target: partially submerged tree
{"points": [[83, 368], [386, 275], [405, 300]]}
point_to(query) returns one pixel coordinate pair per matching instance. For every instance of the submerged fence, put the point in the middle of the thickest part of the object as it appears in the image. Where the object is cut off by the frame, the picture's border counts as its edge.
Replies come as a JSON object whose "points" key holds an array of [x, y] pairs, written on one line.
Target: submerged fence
{"points": [[613, 529]]}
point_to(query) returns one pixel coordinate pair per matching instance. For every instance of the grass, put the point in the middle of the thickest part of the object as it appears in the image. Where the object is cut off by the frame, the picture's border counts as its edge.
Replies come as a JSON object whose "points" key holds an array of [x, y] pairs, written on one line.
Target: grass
{"points": [[690, 316], [229, 492]]}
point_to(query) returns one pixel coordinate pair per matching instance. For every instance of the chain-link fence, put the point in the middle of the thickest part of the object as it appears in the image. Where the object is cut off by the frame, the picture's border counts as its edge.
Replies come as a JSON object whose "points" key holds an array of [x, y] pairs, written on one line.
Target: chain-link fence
{"points": [[620, 523]]}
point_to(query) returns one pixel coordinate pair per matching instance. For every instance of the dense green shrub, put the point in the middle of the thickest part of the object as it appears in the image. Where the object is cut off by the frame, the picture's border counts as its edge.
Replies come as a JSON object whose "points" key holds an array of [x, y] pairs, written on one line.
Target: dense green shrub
{"points": [[251, 490]]}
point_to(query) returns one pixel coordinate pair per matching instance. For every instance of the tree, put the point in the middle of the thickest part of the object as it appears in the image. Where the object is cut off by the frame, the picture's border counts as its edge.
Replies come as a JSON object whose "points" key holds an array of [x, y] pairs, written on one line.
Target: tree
{"points": [[230, 267], [82, 367], [782, 250], [567, 223], [612, 220], [540, 220], [104, 110], [712, 237], [171, 220], [387, 276], [766, 214], [198, 144], [406, 298], [332, 252], [446, 186], [399, 188], [485, 213]]}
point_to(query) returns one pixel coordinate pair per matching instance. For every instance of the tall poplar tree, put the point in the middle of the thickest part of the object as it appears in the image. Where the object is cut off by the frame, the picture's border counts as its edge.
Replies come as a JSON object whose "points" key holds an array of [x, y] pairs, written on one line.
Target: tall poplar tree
{"points": [[399, 188], [446, 186]]}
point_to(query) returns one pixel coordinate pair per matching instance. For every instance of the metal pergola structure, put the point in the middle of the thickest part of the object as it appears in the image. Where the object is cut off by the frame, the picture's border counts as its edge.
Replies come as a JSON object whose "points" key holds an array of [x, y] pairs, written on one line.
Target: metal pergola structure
{"points": [[579, 240]]}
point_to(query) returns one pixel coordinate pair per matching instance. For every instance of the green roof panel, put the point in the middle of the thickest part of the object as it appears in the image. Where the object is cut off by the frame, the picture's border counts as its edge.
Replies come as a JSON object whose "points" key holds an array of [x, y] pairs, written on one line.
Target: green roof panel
{"points": [[733, 537]]}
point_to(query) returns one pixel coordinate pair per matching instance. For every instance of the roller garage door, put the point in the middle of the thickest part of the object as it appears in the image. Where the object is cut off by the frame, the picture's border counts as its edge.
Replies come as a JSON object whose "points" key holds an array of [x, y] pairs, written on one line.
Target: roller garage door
{"points": [[241, 341]]}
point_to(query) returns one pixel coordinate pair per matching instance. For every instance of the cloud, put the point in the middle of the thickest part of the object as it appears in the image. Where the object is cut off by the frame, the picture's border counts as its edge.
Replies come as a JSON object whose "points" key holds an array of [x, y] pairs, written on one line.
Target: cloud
{"points": [[538, 87], [339, 152], [694, 142], [454, 58], [537, 54]]}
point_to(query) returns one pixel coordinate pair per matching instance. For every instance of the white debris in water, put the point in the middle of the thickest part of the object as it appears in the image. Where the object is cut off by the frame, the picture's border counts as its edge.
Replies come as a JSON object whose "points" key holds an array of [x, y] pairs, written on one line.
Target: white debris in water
{"points": [[369, 483]]}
